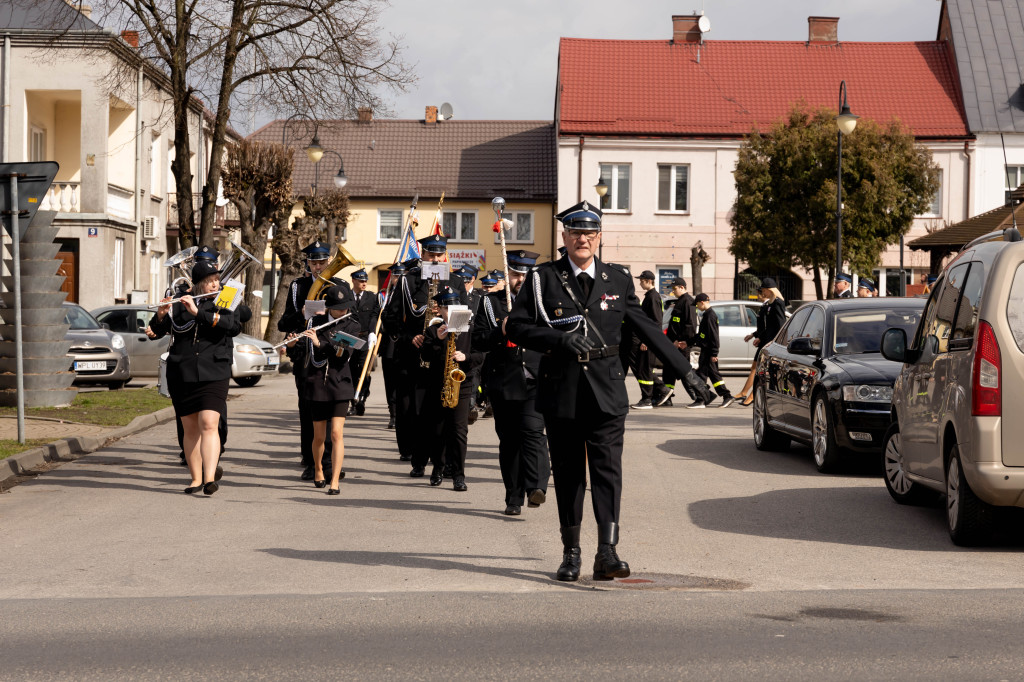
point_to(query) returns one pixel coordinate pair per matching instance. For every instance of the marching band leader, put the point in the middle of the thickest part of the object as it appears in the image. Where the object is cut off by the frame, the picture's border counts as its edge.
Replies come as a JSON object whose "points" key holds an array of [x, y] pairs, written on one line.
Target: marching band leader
{"points": [[573, 311]]}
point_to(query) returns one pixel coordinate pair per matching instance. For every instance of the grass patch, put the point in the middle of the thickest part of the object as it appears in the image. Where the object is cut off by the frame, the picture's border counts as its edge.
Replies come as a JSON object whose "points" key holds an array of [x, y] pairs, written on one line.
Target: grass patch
{"points": [[12, 446], [105, 408]]}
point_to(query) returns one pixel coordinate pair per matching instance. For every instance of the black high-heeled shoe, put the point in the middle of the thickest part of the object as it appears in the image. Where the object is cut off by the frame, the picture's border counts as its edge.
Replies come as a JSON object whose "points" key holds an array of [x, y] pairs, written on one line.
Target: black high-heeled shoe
{"points": [[334, 491], [320, 484]]}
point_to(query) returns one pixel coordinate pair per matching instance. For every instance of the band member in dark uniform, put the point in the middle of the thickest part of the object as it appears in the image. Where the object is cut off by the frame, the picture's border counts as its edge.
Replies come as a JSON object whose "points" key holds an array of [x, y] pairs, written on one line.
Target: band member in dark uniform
{"points": [[573, 311], [640, 357], [446, 432], [843, 286], [293, 321], [405, 320], [198, 370], [463, 280], [386, 352], [682, 329], [328, 386], [367, 310], [511, 373]]}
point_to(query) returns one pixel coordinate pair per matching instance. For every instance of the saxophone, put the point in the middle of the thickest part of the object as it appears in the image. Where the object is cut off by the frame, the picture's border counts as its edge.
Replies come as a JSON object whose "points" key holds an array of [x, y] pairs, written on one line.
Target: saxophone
{"points": [[432, 285], [453, 376]]}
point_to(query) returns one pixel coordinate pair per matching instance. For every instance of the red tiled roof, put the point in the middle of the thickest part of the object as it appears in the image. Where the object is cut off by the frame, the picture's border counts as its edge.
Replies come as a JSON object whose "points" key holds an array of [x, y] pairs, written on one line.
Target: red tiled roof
{"points": [[655, 87], [399, 158]]}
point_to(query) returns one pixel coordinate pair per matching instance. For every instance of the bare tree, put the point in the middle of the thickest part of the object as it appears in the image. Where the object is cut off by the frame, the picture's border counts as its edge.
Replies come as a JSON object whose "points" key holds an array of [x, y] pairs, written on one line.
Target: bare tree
{"points": [[258, 181], [698, 257], [317, 57]]}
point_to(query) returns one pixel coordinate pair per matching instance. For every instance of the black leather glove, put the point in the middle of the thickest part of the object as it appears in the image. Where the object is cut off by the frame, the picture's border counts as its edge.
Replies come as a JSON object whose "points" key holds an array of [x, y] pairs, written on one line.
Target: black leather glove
{"points": [[577, 344]]}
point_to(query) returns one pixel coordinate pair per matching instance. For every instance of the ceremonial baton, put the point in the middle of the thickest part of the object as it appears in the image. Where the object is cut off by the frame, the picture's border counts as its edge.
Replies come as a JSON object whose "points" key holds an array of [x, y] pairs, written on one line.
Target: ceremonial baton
{"points": [[498, 205]]}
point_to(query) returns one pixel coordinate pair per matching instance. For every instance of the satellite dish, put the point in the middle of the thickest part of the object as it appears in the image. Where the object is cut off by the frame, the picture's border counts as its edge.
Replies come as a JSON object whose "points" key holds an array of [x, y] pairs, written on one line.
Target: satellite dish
{"points": [[704, 24], [446, 111]]}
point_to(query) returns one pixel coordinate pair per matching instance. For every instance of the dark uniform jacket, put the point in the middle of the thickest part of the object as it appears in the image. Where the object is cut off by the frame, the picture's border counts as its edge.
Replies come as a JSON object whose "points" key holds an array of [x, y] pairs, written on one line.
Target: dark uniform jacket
{"points": [[652, 305], [367, 310], [432, 378], [847, 293], [403, 319], [549, 297], [327, 377], [199, 351], [506, 367], [707, 334], [682, 324], [770, 319], [292, 320]]}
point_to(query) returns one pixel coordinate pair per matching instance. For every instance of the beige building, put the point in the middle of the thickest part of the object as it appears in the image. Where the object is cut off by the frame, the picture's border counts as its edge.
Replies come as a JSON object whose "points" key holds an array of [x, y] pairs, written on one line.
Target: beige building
{"points": [[388, 162]]}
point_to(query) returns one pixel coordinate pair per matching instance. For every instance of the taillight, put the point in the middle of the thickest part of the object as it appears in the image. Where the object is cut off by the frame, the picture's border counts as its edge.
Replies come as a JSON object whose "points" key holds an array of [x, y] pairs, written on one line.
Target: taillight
{"points": [[986, 397]]}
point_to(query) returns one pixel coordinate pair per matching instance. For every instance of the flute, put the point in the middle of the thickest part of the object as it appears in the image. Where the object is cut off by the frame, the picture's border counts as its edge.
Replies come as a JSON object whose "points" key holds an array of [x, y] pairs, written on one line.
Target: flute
{"points": [[313, 329]]}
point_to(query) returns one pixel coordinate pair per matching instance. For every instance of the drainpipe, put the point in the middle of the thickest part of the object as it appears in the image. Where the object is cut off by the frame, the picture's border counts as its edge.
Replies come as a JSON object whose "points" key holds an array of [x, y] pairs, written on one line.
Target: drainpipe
{"points": [[7, 99], [579, 174], [967, 185], [139, 128]]}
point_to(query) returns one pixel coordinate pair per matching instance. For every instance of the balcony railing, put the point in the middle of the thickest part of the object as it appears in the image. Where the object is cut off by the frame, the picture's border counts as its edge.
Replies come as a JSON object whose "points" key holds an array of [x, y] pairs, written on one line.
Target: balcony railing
{"points": [[65, 197]]}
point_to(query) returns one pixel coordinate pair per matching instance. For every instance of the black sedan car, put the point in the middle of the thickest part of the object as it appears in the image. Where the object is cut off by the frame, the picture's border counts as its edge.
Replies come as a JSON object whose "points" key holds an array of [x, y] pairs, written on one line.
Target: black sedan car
{"points": [[823, 380]]}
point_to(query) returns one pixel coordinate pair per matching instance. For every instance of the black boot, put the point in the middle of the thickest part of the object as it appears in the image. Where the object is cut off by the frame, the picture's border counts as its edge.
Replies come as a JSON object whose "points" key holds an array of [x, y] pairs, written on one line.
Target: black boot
{"points": [[569, 571], [607, 564]]}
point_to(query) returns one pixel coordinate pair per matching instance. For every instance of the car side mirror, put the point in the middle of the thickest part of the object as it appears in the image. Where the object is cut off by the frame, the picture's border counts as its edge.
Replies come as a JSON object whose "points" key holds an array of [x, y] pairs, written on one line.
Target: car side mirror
{"points": [[803, 345], [894, 347]]}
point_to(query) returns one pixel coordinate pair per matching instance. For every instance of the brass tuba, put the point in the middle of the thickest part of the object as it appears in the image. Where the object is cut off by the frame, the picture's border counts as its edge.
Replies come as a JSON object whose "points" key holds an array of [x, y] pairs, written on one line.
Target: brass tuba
{"points": [[341, 260], [453, 376], [182, 262], [236, 260]]}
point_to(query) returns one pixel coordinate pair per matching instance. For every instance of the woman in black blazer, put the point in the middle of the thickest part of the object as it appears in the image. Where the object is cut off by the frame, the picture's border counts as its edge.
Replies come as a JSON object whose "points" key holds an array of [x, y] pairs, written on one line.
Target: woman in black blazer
{"points": [[199, 369], [770, 319]]}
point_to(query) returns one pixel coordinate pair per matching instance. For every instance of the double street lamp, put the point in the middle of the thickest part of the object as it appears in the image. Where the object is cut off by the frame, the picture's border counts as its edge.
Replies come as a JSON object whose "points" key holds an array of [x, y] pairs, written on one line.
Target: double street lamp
{"points": [[602, 189], [846, 122]]}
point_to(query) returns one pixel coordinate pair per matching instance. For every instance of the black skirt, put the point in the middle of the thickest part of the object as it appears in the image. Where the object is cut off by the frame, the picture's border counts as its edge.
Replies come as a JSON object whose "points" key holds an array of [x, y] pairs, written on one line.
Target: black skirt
{"points": [[323, 410], [190, 397]]}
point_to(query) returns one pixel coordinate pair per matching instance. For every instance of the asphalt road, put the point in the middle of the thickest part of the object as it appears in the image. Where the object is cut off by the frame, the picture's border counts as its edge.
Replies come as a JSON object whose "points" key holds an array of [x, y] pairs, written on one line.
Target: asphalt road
{"points": [[746, 565]]}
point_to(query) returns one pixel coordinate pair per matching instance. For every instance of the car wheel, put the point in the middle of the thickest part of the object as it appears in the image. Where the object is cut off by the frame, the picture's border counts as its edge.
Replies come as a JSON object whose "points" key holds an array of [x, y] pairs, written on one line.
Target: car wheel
{"points": [[900, 487], [765, 437], [823, 437], [116, 385], [247, 382], [969, 518]]}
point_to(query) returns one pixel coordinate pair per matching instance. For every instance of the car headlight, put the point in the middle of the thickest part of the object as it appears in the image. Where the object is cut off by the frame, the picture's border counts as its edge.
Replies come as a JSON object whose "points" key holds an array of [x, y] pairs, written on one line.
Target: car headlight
{"points": [[248, 348], [117, 341], [867, 394]]}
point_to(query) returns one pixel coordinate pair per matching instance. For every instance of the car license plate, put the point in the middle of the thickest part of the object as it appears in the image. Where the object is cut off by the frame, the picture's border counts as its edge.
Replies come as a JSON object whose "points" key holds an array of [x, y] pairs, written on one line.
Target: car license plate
{"points": [[87, 366], [273, 361]]}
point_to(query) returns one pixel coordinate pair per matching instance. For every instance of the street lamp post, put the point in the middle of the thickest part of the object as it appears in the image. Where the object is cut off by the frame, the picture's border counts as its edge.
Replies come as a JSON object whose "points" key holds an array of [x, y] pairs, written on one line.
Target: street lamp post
{"points": [[602, 189], [846, 122]]}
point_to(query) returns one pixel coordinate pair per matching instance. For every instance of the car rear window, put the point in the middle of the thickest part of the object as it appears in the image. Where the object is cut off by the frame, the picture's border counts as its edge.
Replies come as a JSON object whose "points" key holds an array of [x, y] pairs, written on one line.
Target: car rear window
{"points": [[861, 331], [1015, 307]]}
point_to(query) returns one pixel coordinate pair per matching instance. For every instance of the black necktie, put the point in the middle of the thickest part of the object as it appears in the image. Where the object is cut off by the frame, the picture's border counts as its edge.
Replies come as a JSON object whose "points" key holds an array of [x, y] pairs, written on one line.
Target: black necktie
{"points": [[584, 280]]}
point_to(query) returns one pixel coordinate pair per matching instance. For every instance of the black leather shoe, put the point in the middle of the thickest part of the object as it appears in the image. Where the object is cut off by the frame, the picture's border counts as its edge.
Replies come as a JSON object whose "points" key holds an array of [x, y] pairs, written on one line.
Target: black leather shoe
{"points": [[307, 473], [193, 489], [391, 423], [569, 571], [460, 484], [513, 510], [320, 484], [435, 477], [536, 498], [360, 408], [607, 564], [405, 458], [210, 488], [417, 472], [447, 471], [218, 474], [334, 491]]}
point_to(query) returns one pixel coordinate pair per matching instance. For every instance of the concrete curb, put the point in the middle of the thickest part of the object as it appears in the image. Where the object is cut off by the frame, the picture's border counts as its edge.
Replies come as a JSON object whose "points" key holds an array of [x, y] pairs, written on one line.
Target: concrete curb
{"points": [[68, 448]]}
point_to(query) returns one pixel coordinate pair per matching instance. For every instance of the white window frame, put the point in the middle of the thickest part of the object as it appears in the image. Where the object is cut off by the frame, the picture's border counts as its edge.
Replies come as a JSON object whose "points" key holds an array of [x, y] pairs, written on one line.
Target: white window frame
{"points": [[1018, 171], [613, 188], [390, 240], [672, 189], [514, 217], [119, 267], [156, 166], [37, 139], [936, 201], [458, 212]]}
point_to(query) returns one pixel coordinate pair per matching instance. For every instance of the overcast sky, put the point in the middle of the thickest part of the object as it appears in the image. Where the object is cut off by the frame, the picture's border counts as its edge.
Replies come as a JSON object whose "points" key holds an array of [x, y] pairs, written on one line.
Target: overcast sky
{"points": [[497, 60]]}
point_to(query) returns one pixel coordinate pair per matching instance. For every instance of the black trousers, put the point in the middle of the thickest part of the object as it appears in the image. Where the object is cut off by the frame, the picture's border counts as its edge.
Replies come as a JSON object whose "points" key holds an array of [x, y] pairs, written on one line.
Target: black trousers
{"points": [[589, 440], [641, 362], [446, 435], [387, 368], [708, 370], [407, 422], [692, 384], [222, 430], [355, 365], [522, 452]]}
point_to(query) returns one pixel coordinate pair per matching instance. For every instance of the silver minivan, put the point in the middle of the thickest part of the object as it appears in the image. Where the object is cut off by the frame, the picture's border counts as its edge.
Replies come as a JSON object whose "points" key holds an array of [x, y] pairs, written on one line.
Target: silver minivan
{"points": [[961, 370]]}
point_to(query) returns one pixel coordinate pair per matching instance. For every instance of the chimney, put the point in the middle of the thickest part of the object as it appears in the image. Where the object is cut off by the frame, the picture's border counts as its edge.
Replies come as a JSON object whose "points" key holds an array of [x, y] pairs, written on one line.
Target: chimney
{"points": [[823, 30], [131, 37], [430, 118], [365, 114], [684, 28]]}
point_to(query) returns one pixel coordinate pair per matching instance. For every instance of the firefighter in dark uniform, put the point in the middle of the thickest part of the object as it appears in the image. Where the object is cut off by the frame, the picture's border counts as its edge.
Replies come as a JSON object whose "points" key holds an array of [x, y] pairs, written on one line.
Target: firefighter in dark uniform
{"points": [[511, 373], [293, 321], [405, 319], [463, 280], [640, 359], [367, 309], [708, 341], [573, 310], [386, 352], [843, 286], [682, 328]]}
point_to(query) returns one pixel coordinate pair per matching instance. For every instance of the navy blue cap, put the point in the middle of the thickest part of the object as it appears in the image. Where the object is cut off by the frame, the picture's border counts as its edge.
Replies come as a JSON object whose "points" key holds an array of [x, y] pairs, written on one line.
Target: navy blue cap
{"points": [[397, 269], [361, 275], [411, 264], [435, 243], [317, 251], [496, 275], [865, 283], [202, 270], [467, 272], [843, 277], [522, 260], [339, 298], [206, 253], [488, 281], [447, 296], [582, 216]]}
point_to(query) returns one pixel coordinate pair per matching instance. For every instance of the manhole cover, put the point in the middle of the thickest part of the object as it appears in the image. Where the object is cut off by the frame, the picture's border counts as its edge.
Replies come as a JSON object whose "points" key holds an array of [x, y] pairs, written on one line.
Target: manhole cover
{"points": [[665, 581]]}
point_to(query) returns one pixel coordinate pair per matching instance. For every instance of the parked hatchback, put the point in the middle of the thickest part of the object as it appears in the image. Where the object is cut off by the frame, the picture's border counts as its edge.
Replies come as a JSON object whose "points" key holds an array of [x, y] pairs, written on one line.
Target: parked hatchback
{"points": [[964, 362], [736, 319], [98, 355]]}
